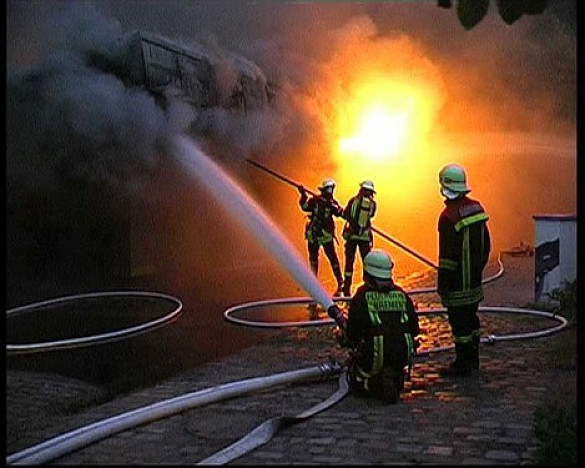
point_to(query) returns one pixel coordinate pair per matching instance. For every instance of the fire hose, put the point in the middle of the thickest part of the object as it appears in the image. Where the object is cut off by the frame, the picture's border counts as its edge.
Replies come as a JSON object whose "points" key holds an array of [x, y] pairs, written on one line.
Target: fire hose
{"points": [[78, 438], [29, 348], [375, 229], [66, 443], [265, 431], [74, 440]]}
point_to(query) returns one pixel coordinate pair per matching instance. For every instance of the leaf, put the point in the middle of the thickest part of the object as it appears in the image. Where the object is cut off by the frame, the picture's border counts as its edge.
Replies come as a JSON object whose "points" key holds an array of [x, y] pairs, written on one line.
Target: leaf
{"points": [[471, 12], [534, 7], [510, 10]]}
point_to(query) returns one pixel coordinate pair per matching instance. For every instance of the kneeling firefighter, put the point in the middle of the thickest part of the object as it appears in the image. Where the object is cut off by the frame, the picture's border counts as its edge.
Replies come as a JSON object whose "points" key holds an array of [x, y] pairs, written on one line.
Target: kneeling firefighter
{"points": [[382, 326]]}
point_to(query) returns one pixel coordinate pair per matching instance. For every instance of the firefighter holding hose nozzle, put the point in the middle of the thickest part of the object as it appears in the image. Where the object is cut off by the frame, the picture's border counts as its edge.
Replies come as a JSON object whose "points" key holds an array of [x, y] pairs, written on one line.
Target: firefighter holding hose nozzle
{"points": [[320, 228], [381, 328]]}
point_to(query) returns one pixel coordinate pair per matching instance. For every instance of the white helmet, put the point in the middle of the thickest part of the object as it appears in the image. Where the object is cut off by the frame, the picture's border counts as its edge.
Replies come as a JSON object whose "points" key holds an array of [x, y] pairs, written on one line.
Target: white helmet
{"points": [[379, 264], [368, 185], [327, 183]]}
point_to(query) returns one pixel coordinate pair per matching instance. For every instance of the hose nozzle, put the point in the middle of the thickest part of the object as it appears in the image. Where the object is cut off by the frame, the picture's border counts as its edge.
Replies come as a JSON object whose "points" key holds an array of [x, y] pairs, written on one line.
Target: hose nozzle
{"points": [[335, 313]]}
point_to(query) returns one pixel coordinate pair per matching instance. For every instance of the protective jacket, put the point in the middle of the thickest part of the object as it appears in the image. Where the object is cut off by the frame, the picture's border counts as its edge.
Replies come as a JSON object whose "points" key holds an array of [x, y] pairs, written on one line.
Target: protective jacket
{"points": [[381, 326], [358, 213], [464, 247], [320, 226]]}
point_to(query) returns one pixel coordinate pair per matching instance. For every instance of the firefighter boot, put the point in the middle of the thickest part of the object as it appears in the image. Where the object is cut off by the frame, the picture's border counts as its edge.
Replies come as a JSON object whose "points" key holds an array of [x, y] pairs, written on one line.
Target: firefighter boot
{"points": [[314, 267], [461, 367], [313, 312], [347, 284], [475, 352], [385, 385], [339, 278]]}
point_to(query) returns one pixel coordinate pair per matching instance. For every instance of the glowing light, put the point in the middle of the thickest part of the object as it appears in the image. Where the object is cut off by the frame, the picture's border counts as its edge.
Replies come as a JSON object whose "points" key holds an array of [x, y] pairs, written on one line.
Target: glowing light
{"points": [[380, 134], [382, 120]]}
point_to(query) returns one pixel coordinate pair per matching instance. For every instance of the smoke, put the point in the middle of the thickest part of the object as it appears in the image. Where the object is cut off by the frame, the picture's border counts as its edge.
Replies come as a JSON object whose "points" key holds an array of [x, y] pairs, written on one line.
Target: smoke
{"points": [[68, 121]]}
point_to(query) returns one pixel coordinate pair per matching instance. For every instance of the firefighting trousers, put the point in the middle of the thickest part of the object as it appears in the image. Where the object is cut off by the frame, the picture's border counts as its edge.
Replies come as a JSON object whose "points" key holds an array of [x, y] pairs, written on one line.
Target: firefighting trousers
{"points": [[464, 322], [329, 249], [362, 372], [351, 245]]}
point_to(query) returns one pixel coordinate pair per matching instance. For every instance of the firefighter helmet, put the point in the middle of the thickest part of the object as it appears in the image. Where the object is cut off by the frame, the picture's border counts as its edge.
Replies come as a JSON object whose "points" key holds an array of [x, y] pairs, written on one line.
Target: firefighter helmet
{"points": [[327, 183], [453, 180], [368, 185], [378, 264]]}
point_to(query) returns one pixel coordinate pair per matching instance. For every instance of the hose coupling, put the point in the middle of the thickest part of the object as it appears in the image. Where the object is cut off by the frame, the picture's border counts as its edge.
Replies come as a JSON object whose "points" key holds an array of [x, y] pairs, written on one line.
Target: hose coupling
{"points": [[331, 366]]}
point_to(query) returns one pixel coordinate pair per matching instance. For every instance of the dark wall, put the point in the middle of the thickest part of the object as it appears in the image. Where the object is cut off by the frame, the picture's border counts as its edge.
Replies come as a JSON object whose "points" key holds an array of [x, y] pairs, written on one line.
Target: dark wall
{"points": [[66, 241]]}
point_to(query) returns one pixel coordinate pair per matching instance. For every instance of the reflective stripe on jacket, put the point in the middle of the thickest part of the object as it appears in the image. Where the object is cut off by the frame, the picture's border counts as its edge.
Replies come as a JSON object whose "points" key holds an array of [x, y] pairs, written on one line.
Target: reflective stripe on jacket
{"points": [[358, 213], [382, 324], [320, 225], [464, 247]]}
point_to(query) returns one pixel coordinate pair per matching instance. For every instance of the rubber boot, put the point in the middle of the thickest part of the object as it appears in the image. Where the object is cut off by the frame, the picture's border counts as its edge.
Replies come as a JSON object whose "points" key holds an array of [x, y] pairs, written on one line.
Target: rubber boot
{"points": [[461, 367], [400, 378], [339, 278], [385, 385], [315, 267], [475, 353], [313, 312], [347, 286]]}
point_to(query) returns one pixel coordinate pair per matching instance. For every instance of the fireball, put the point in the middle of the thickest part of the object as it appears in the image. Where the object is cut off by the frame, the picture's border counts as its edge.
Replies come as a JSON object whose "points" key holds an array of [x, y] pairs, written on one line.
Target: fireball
{"points": [[383, 120], [380, 133]]}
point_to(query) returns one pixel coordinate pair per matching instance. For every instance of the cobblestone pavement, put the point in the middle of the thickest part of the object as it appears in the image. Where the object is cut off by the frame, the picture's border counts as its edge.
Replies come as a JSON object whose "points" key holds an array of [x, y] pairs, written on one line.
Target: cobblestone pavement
{"points": [[487, 419]]}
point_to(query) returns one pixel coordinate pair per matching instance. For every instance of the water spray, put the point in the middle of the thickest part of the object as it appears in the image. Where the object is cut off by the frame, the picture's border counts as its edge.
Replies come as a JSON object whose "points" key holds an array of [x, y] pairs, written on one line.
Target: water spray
{"points": [[246, 211]]}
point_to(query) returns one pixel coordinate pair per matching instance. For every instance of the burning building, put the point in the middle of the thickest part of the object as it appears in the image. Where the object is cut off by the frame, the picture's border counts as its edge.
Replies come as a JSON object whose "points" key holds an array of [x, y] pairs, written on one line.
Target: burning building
{"points": [[82, 127], [189, 73]]}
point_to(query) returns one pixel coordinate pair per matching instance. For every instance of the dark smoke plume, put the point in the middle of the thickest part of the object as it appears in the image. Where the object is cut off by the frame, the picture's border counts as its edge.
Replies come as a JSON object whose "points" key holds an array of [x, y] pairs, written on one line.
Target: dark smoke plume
{"points": [[67, 120]]}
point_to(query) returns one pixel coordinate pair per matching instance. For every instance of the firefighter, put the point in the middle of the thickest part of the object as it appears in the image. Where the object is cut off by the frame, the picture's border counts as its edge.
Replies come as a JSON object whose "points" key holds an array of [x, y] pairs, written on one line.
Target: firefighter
{"points": [[320, 228], [357, 231], [381, 328], [464, 248]]}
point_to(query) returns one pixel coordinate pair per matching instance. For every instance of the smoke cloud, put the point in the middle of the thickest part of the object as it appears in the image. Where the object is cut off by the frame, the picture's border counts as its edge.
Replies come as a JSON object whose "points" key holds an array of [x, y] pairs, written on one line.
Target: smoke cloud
{"points": [[68, 120]]}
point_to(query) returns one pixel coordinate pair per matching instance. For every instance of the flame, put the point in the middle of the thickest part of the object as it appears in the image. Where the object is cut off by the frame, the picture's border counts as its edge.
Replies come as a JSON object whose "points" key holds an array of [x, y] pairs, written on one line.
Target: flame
{"points": [[382, 133], [379, 121]]}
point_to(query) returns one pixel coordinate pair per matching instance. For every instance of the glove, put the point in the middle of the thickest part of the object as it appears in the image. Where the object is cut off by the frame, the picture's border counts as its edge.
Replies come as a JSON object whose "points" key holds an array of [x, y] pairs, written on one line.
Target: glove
{"points": [[341, 337], [416, 345]]}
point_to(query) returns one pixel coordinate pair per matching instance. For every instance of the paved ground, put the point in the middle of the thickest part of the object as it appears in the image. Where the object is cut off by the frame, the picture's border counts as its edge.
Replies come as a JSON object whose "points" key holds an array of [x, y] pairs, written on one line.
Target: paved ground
{"points": [[487, 419]]}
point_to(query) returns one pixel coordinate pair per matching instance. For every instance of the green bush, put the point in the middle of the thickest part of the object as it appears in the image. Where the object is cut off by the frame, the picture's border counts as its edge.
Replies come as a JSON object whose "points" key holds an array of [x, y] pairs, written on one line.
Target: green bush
{"points": [[555, 421], [566, 300], [556, 430]]}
